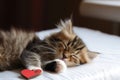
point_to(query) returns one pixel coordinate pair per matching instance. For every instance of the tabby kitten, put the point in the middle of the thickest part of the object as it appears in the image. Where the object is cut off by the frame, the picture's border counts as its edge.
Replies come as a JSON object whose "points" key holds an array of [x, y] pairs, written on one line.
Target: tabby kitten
{"points": [[57, 51]]}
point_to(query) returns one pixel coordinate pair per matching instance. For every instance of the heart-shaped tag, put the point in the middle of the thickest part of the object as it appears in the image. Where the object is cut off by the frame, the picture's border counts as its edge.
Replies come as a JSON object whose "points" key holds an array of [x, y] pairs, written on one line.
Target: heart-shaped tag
{"points": [[30, 73]]}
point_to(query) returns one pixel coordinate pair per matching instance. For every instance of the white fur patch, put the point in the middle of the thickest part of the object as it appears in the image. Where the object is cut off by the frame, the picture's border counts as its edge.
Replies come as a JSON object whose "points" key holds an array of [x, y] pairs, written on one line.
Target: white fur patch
{"points": [[61, 62], [30, 67]]}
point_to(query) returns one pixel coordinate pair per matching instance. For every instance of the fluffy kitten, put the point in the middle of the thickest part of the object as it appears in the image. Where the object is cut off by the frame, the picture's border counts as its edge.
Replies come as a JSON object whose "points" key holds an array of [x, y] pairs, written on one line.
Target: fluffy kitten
{"points": [[57, 51]]}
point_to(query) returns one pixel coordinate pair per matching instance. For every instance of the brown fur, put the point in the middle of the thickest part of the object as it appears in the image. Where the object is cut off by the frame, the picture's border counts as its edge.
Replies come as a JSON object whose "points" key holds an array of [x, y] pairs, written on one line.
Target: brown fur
{"points": [[21, 48], [69, 46], [12, 43]]}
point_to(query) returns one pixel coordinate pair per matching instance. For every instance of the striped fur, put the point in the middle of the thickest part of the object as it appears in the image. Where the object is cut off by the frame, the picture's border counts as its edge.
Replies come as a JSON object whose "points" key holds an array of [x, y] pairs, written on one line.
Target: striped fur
{"points": [[19, 48]]}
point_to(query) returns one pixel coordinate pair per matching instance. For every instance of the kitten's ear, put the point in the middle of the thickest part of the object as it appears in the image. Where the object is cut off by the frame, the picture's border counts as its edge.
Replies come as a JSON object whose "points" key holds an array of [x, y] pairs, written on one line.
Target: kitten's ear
{"points": [[66, 26]]}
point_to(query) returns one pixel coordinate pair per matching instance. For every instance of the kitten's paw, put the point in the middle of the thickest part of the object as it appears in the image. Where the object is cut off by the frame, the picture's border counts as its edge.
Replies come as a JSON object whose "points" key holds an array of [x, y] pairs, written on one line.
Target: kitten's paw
{"points": [[61, 66], [35, 68], [56, 66]]}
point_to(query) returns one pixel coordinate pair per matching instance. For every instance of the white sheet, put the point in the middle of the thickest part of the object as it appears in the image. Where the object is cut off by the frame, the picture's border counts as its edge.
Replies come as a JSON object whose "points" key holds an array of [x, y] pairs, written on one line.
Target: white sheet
{"points": [[106, 66]]}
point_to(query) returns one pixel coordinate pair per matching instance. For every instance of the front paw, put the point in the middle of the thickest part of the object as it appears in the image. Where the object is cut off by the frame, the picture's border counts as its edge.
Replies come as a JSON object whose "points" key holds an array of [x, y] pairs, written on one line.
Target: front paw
{"points": [[55, 66], [35, 68]]}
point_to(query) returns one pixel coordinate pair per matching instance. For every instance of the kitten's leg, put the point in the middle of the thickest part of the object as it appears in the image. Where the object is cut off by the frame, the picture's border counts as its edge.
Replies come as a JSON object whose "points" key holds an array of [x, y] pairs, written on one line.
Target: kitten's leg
{"points": [[30, 60], [55, 66]]}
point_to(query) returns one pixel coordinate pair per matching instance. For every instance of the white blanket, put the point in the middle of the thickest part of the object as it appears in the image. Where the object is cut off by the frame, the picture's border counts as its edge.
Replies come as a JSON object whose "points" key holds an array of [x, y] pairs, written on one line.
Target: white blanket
{"points": [[105, 66]]}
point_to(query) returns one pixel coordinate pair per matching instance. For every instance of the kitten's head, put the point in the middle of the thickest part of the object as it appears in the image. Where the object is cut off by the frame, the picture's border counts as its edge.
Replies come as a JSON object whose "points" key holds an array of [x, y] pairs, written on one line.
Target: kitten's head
{"points": [[68, 46]]}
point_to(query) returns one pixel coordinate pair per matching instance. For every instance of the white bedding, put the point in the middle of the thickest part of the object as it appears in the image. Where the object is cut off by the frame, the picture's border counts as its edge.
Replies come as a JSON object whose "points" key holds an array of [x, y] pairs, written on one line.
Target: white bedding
{"points": [[106, 66]]}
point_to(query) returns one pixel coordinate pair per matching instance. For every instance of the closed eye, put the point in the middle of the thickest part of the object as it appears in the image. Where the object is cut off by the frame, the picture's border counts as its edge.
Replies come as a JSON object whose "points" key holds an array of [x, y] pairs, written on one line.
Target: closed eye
{"points": [[80, 48]]}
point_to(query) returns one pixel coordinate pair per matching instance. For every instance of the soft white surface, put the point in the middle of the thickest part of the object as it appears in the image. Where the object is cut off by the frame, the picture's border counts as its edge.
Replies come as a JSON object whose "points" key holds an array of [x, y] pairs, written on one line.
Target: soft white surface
{"points": [[106, 66]]}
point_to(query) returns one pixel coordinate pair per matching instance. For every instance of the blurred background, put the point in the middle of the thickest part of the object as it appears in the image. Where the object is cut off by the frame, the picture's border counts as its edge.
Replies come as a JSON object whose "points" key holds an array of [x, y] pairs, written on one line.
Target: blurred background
{"points": [[35, 14], [45, 14]]}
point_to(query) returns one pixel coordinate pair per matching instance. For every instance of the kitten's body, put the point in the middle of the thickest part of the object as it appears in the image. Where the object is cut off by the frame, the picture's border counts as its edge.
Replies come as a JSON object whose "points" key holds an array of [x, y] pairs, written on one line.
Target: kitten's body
{"points": [[12, 43], [20, 48]]}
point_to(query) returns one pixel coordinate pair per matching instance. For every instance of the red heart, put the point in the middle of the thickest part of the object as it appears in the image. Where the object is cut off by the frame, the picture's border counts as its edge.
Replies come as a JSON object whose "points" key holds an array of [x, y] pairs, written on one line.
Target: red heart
{"points": [[30, 73]]}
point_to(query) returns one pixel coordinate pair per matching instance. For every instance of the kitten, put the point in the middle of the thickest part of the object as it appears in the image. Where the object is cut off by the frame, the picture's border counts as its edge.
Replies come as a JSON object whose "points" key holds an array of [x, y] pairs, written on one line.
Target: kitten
{"points": [[57, 51]]}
